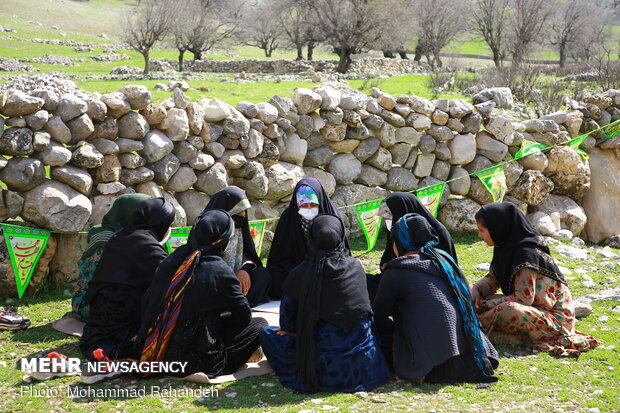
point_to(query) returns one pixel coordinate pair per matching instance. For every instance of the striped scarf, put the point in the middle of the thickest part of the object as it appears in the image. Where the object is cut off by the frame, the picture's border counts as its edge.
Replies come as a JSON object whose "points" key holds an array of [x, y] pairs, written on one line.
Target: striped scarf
{"points": [[159, 333]]}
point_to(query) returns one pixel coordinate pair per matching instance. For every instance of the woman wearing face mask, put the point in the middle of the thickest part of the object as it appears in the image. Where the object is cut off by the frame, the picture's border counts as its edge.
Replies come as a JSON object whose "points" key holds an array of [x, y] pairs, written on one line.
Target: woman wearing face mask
{"points": [[290, 241], [392, 209], [124, 273], [240, 254]]}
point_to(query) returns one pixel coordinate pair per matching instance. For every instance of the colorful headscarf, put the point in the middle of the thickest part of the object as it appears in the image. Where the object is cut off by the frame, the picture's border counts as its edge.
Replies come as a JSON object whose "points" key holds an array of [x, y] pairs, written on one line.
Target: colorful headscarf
{"points": [[306, 195]]}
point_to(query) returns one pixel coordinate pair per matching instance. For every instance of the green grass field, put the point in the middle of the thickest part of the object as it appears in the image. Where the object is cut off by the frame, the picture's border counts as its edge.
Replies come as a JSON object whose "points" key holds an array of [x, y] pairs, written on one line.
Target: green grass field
{"points": [[529, 382]]}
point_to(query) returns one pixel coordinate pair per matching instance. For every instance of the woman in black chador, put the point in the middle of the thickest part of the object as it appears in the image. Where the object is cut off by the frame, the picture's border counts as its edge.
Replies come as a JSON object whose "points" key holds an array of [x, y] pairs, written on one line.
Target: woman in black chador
{"points": [[290, 241], [124, 273], [240, 254], [195, 311]]}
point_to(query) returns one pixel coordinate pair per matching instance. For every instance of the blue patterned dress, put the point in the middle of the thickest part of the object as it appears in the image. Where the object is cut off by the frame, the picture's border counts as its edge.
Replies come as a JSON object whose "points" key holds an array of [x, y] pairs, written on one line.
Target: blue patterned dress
{"points": [[347, 362]]}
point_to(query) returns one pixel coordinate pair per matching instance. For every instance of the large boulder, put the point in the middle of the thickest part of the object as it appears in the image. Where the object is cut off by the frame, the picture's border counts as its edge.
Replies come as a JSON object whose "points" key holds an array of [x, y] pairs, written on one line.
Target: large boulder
{"points": [[401, 179], [252, 178], [345, 167], [568, 172], [212, 180], [176, 124], [16, 142], [76, 178], [294, 149], [165, 168], [156, 146], [601, 201], [532, 188], [131, 177], [70, 107], [351, 195], [139, 96], [58, 130], [282, 179], [117, 104], [56, 206], [86, 156], [490, 147], [458, 215], [182, 180], [41, 270], [306, 100], [572, 216], [81, 128], [22, 174], [325, 178], [19, 104], [193, 202], [132, 126], [462, 148], [109, 171], [502, 129], [64, 266], [502, 96]]}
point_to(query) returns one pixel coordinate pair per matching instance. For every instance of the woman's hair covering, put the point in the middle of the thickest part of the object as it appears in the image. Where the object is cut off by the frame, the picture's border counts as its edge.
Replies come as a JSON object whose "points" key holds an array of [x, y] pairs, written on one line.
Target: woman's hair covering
{"points": [[289, 246], [401, 203], [209, 236], [328, 285], [517, 245], [118, 217], [155, 215], [306, 195], [413, 232], [233, 200]]}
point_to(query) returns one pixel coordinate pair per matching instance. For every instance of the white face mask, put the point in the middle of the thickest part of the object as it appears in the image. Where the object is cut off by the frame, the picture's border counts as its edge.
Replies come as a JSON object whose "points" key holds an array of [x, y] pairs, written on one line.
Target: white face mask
{"points": [[388, 224], [309, 213]]}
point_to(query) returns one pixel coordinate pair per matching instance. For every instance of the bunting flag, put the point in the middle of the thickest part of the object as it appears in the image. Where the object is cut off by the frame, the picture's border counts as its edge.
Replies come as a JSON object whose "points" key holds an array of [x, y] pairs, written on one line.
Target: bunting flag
{"points": [[257, 230], [370, 221], [25, 246], [611, 130], [529, 147], [495, 181], [178, 237], [431, 196], [574, 143]]}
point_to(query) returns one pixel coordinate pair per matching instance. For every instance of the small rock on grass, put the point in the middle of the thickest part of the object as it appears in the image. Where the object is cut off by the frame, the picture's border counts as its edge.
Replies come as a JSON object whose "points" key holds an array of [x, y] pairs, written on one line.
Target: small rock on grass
{"points": [[603, 319], [483, 266]]}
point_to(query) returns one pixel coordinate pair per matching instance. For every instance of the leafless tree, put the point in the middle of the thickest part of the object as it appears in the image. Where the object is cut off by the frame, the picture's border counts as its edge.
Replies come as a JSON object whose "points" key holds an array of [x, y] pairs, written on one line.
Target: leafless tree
{"points": [[261, 27], [573, 19], [298, 28], [490, 20], [147, 25], [438, 23], [352, 26], [590, 44], [528, 19], [201, 24]]}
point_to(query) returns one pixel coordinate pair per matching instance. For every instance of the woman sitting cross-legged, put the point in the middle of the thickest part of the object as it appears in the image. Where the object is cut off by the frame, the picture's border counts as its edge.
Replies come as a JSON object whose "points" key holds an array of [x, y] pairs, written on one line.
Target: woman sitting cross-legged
{"points": [[434, 336], [536, 307], [195, 311], [326, 341], [123, 274], [240, 254]]}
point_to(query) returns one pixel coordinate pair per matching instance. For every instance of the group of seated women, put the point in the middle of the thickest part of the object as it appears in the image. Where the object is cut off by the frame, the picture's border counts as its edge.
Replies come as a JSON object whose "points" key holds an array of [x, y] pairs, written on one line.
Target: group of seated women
{"points": [[340, 330]]}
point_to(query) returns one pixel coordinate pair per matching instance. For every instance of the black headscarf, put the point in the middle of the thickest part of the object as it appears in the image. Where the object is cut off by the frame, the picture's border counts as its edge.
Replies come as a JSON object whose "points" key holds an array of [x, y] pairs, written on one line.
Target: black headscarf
{"points": [[413, 232], [517, 245], [132, 254], [289, 248], [328, 285], [208, 288], [401, 203], [226, 200]]}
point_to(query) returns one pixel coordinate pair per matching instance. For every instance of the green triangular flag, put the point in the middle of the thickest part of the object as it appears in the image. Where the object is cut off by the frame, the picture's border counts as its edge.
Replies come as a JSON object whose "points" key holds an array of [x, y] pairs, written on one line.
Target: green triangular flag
{"points": [[25, 247], [528, 148], [431, 196], [495, 181], [611, 130], [178, 237], [369, 220], [574, 143], [257, 230]]}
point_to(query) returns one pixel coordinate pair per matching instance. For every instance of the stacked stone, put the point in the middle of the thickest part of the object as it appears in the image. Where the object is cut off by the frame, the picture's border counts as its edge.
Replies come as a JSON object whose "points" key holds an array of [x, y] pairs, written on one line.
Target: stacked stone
{"points": [[360, 147]]}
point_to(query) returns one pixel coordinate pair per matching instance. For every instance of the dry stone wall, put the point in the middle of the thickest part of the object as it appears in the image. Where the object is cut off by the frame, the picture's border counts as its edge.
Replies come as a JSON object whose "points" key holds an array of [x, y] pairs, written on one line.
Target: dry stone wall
{"points": [[67, 156]]}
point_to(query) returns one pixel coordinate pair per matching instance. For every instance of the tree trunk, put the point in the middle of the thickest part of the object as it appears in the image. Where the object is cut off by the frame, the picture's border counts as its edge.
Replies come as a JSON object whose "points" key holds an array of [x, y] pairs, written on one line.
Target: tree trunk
{"points": [[310, 50], [345, 60], [418, 53], [300, 52], [562, 55], [181, 57], [389, 54], [267, 52], [497, 58], [147, 63], [403, 54]]}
